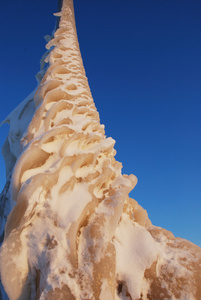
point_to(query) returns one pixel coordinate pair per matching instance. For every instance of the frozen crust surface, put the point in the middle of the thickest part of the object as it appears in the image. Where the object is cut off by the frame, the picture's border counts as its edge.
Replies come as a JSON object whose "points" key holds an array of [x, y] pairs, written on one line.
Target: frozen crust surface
{"points": [[74, 233]]}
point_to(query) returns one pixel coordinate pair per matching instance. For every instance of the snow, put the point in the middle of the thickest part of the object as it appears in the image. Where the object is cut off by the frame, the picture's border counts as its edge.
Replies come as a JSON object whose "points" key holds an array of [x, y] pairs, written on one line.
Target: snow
{"points": [[105, 291], [135, 252], [74, 231], [18, 121], [69, 205]]}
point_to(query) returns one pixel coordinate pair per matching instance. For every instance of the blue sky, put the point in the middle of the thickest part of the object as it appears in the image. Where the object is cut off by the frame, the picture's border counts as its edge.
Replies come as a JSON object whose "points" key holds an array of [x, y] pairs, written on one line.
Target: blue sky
{"points": [[143, 62]]}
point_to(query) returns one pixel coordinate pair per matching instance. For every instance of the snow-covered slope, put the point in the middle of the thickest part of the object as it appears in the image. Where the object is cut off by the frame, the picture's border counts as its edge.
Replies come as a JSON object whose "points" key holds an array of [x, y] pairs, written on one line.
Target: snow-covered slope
{"points": [[74, 233]]}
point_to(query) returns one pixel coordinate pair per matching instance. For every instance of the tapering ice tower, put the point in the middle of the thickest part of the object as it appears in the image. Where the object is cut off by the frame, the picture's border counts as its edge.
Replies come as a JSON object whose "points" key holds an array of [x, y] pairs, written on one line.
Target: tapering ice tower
{"points": [[68, 187], [74, 233]]}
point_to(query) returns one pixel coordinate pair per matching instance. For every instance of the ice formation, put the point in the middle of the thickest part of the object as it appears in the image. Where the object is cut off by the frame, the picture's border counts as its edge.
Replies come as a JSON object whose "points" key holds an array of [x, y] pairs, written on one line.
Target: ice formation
{"points": [[74, 233]]}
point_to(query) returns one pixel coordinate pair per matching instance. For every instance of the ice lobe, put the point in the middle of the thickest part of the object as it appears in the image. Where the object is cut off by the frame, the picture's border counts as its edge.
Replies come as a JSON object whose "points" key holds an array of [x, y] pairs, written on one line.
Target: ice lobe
{"points": [[74, 233]]}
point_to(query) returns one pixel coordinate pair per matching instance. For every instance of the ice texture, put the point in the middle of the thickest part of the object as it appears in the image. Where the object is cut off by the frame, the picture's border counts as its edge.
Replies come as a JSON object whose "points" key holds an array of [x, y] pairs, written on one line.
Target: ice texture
{"points": [[73, 232]]}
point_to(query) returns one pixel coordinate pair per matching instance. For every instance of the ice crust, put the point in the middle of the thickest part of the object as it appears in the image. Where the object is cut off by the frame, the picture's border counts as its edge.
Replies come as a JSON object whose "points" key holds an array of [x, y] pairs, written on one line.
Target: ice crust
{"points": [[73, 232]]}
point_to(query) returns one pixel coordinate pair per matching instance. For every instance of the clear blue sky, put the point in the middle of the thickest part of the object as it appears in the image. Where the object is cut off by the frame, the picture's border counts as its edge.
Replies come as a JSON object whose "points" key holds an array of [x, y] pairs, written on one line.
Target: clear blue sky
{"points": [[143, 61]]}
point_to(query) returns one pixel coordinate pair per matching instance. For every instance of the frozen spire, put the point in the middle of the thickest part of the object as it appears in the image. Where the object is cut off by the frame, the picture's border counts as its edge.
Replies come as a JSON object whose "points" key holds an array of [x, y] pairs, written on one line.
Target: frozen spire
{"points": [[74, 233], [68, 187]]}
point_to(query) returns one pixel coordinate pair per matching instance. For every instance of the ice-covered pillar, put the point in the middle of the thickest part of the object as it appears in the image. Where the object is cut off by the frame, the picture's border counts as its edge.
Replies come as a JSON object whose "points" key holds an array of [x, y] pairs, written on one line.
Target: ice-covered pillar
{"points": [[74, 233], [68, 188]]}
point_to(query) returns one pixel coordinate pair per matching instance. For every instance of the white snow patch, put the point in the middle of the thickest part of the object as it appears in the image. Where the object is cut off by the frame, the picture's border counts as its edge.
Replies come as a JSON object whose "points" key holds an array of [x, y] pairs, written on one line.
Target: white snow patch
{"points": [[135, 252], [70, 204], [105, 291]]}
